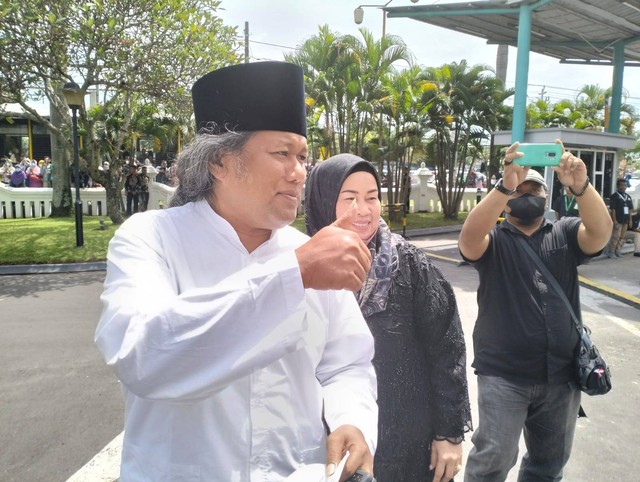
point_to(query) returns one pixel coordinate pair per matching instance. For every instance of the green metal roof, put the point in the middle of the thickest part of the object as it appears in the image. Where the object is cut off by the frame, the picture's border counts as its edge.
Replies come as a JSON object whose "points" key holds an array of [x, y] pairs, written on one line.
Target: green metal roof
{"points": [[573, 31], [597, 32]]}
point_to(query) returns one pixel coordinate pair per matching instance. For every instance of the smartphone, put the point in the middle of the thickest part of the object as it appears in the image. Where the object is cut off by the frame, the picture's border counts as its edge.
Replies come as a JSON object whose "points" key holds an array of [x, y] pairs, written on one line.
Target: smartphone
{"points": [[539, 154]]}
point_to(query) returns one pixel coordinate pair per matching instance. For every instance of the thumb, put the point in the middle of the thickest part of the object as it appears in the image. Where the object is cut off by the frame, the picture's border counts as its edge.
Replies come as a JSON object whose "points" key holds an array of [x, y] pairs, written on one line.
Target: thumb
{"points": [[347, 217]]}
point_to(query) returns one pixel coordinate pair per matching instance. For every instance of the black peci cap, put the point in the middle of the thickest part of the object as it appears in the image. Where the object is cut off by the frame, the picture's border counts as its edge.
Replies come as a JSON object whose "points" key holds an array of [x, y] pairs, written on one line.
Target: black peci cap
{"points": [[251, 97]]}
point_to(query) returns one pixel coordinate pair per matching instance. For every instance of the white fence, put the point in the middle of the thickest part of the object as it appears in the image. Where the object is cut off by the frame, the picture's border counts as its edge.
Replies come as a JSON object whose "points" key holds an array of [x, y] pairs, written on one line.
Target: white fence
{"points": [[424, 196], [35, 202]]}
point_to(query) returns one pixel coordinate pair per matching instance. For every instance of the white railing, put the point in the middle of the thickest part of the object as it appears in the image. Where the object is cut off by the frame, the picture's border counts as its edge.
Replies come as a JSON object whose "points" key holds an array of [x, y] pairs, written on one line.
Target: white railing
{"points": [[424, 196], [35, 202]]}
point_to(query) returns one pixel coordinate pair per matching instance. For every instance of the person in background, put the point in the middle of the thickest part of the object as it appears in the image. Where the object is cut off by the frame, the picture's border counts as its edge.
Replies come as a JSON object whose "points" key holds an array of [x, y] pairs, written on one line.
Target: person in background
{"points": [[420, 356], [143, 189], [46, 172], [524, 338], [480, 180], [634, 233], [18, 177], [161, 177], [242, 354], [620, 208], [565, 204], [132, 188], [5, 170], [34, 177]]}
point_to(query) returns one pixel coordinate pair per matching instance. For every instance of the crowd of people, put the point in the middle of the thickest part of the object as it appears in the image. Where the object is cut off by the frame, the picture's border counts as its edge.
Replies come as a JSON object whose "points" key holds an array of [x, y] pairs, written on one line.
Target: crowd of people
{"points": [[136, 176], [26, 172]]}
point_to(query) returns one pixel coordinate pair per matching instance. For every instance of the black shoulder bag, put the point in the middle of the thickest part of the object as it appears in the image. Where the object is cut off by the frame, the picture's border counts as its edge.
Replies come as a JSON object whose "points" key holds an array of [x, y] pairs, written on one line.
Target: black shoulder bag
{"points": [[592, 373]]}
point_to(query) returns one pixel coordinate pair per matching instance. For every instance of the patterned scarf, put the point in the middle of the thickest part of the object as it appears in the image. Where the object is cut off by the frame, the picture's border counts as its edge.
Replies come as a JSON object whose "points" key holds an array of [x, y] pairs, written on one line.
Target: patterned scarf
{"points": [[373, 296]]}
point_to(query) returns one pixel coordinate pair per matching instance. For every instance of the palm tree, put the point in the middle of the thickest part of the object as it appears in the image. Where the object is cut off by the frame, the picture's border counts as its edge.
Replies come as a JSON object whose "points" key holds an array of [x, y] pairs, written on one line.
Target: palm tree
{"points": [[375, 60], [343, 78], [462, 103], [318, 57], [401, 107], [590, 110]]}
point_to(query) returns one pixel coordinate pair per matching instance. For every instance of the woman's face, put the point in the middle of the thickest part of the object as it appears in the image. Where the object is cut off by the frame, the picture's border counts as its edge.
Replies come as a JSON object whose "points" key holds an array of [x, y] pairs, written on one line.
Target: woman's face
{"points": [[360, 186]]}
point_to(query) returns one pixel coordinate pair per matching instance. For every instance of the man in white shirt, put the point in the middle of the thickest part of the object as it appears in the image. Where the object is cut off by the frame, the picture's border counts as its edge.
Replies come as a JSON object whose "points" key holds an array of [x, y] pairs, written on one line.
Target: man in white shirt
{"points": [[235, 337]]}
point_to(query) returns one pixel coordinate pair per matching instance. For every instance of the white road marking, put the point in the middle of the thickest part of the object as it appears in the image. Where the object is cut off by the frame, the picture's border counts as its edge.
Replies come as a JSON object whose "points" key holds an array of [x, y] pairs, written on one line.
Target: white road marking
{"points": [[595, 306], [104, 466]]}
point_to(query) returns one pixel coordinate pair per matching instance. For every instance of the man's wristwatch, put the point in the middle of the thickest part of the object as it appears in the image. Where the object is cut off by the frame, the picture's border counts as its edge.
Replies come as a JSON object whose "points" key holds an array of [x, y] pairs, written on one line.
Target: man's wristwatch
{"points": [[503, 189]]}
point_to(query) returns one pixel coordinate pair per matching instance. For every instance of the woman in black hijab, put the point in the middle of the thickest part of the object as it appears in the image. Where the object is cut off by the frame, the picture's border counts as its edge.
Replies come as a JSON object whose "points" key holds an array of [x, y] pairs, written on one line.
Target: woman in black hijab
{"points": [[420, 356]]}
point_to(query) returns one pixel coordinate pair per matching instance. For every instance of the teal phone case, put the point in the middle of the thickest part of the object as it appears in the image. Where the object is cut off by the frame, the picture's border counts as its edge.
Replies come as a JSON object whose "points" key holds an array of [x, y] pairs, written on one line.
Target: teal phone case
{"points": [[539, 154]]}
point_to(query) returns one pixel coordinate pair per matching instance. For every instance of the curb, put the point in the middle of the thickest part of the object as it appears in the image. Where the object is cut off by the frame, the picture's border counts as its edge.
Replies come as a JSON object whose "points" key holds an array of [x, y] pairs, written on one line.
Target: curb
{"points": [[621, 296], [52, 268], [455, 228]]}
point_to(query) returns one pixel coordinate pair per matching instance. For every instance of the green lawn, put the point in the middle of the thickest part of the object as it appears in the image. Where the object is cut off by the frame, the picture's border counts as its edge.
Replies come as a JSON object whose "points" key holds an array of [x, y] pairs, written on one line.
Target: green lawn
{"points": [[53, 240]]}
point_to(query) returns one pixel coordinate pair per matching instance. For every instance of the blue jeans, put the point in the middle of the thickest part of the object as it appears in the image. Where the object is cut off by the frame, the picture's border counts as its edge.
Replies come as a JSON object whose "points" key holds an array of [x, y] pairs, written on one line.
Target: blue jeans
{"points": [[548, 415]]}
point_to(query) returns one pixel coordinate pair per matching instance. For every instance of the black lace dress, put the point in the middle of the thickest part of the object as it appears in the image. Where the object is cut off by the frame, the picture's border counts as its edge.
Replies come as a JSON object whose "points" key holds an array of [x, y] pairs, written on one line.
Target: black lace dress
{"points": [[420, 362], [420, 357]]}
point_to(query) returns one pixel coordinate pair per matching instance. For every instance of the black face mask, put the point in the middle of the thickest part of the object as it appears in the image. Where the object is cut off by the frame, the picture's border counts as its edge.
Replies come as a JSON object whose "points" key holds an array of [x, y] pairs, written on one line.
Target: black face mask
{"points": [[527, 208]]}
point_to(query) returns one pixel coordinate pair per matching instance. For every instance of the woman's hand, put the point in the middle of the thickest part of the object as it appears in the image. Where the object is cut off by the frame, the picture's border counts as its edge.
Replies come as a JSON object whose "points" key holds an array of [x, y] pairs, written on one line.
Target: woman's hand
{"points": [[446, 459]]}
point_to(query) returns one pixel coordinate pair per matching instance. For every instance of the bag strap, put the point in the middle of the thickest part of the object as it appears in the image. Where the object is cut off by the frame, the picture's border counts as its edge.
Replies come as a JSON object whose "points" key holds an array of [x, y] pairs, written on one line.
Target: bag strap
{"points": [[551, 279]]}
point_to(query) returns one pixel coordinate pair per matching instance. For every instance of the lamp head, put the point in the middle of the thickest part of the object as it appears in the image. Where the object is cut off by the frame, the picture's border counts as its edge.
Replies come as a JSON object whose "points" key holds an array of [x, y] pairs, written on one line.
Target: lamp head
{"points": [[73, 95], [415, 1], [358, 15]]}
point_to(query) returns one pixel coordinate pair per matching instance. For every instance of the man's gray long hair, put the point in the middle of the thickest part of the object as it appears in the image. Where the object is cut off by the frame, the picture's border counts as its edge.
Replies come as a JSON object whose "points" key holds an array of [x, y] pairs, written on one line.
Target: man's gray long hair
{"points": [[194, 180]]}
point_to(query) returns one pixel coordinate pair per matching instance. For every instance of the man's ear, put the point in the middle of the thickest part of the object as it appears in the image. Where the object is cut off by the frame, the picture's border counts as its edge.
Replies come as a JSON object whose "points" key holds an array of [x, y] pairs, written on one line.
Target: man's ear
{"points": [[219, 171]]}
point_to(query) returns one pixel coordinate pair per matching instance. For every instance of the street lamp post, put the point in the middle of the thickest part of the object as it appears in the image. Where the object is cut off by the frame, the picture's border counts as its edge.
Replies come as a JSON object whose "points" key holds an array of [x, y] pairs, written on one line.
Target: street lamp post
{"points": [[358, 17], [358, 14], [74, 97]]}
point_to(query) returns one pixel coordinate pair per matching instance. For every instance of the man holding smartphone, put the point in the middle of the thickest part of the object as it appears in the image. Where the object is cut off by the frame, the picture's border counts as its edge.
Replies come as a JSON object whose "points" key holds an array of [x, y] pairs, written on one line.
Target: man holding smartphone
{"points": [[524, 337]]}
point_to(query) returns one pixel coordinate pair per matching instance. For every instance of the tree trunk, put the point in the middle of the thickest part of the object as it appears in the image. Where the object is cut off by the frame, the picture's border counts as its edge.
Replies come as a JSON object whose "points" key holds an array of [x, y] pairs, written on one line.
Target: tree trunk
{"points": [[113, 190], [61, 206]]}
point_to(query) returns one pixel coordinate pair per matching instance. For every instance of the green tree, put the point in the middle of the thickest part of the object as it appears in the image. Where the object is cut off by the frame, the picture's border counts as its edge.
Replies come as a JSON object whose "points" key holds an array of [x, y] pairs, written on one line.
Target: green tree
{"points": [[127, 50], [373, 60], [404, 131], [462, 103], [343, 79], [318, 57]]}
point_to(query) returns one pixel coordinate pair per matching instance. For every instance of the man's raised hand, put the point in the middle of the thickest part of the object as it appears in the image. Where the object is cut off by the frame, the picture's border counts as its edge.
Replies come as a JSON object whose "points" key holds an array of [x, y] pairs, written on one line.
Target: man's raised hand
{"points": [[335, 258]]}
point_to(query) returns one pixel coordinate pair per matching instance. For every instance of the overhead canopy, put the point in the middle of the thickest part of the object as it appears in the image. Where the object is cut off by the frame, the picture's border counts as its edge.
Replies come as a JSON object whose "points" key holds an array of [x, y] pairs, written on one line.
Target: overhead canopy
{"points": [[573, 31], [595, 32]]}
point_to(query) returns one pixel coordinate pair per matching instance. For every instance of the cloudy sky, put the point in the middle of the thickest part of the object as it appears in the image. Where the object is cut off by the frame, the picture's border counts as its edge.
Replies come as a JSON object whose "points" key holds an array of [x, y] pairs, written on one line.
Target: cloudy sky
{"points": [[277, 26]]}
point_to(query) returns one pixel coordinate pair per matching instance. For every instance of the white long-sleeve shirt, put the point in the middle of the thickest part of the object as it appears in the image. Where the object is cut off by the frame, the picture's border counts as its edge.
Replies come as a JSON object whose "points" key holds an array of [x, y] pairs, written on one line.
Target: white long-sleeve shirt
{"points": [[227, 363]]}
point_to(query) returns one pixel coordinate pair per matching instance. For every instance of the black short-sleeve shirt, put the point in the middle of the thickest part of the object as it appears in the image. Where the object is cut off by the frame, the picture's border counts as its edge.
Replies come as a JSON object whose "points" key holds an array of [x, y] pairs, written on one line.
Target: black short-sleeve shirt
{"points": [[524, 332], [617, 202], [565, 206]]}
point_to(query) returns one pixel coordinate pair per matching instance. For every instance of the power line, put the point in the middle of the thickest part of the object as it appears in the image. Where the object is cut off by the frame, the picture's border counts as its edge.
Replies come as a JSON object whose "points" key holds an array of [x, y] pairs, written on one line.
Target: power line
{"points": [[553, 93], [273, 45], [268, 44]]}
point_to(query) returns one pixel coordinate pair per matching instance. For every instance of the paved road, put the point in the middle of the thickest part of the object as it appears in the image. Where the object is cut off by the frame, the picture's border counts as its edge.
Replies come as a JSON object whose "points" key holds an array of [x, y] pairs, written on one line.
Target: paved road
{"points": [[606, 445], [59, 405]]}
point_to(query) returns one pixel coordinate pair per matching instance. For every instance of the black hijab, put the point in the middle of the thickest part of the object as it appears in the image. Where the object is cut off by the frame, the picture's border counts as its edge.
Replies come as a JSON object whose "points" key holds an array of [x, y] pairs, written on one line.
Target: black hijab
{"points": [[323, 188], [321, 196]]}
